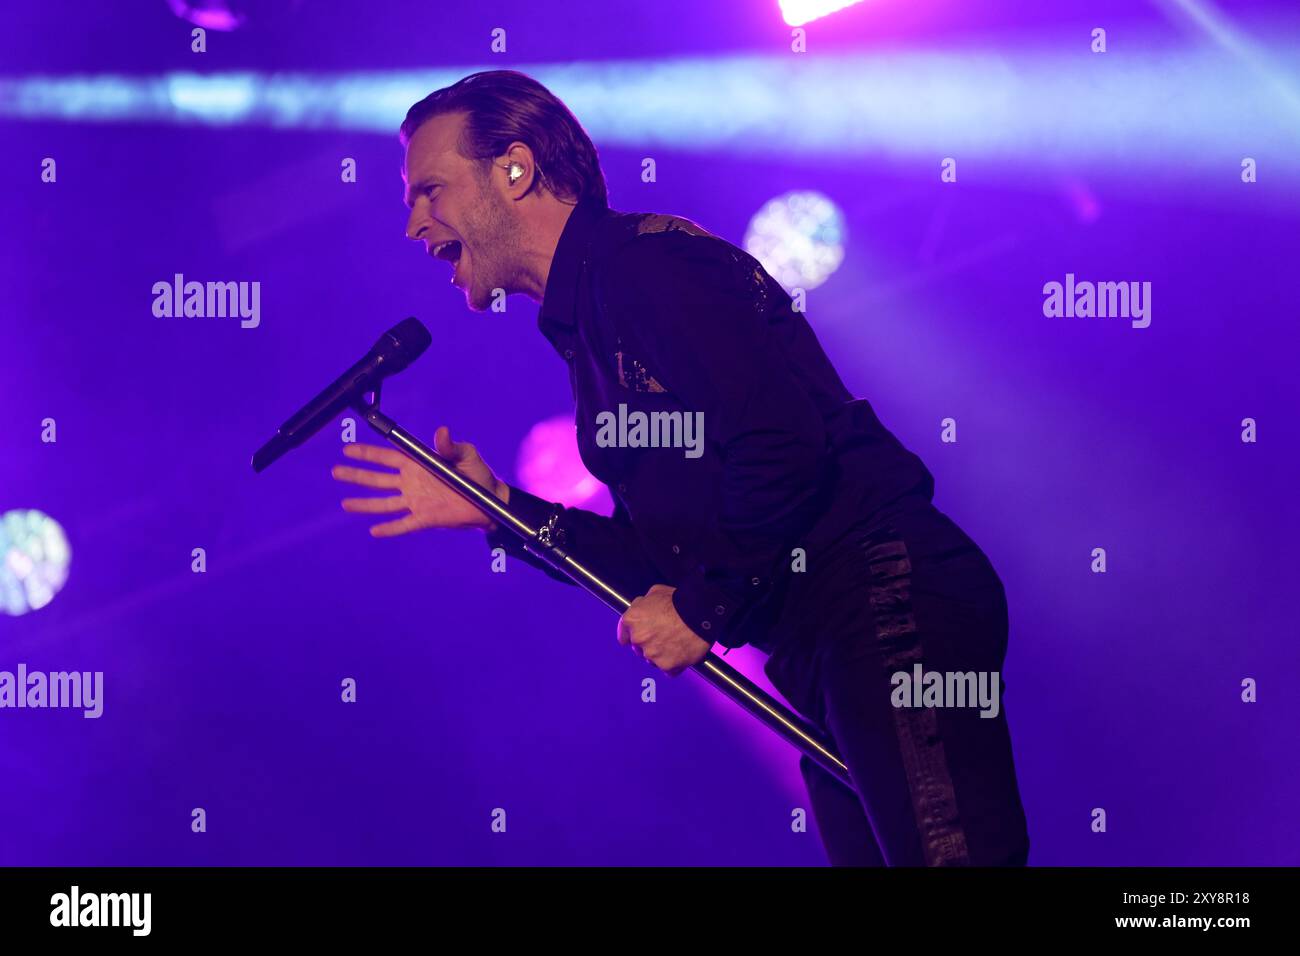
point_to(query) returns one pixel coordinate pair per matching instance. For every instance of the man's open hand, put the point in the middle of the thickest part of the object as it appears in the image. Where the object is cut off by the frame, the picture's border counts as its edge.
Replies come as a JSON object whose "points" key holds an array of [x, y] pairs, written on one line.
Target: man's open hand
{"points": [[421, 499], [653, 629]]}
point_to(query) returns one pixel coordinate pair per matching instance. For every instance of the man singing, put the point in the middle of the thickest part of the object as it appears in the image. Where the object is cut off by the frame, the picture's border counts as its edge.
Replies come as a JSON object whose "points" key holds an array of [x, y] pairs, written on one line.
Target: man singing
{"points": [[800, 525]]}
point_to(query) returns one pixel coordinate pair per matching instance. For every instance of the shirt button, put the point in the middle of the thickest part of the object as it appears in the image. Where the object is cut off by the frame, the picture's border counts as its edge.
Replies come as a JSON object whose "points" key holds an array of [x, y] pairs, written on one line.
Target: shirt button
{"points": [[705, 625], [568, 355], [622, 488], [755, 581], [719, 610], [677, 549]]}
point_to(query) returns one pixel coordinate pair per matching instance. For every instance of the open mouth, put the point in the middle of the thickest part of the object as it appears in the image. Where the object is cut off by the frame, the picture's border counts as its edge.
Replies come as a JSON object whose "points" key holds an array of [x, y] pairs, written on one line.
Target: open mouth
{"points": [[448, 251]]}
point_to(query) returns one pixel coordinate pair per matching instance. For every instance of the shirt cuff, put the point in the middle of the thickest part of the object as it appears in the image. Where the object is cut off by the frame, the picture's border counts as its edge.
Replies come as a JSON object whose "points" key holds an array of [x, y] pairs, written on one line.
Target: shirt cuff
{"points": [[532, 510], [714, 612]]}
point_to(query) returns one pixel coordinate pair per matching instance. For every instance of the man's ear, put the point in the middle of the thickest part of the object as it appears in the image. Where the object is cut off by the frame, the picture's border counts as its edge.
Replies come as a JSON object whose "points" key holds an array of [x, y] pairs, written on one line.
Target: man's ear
{"points": [[518, 170]]}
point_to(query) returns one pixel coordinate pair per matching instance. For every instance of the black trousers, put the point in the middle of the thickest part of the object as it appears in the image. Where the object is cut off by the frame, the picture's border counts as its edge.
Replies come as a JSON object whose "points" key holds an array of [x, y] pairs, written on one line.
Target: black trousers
{"points": [[935, 786]]}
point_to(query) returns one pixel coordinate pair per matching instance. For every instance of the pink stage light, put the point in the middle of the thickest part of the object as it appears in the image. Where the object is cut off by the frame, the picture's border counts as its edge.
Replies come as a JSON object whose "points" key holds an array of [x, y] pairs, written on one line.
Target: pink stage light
{"points": [[776, 756], [208, 14], [550, 467], [1086, 206]]}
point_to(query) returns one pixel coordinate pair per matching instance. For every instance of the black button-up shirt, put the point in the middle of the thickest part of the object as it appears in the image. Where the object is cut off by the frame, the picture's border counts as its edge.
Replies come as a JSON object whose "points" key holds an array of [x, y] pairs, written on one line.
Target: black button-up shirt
{"points": [[749, 445]]}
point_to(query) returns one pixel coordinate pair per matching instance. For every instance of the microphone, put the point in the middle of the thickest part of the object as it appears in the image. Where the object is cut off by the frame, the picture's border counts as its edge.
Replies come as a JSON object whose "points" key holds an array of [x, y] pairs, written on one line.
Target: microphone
{"points": [[396, 349]]}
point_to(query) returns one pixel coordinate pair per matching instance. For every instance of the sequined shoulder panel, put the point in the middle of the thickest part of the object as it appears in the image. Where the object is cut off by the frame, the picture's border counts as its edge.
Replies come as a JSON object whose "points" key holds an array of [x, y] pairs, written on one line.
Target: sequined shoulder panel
{"points": [[653, 222], [751, 277]]}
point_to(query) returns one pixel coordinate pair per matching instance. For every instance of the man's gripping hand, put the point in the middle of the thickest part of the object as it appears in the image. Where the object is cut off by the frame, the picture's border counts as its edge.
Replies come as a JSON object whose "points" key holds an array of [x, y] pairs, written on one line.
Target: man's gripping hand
{"points": [[655, 632]]}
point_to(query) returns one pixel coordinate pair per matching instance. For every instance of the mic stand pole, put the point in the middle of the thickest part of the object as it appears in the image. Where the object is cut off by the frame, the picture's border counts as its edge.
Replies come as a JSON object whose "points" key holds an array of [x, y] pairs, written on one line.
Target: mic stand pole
{"points": [[744, 692]]}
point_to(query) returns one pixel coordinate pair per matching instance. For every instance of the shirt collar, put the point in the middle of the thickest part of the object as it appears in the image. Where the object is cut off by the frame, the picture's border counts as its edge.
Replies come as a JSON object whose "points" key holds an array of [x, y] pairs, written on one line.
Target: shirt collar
{"points": [[566, 266]]}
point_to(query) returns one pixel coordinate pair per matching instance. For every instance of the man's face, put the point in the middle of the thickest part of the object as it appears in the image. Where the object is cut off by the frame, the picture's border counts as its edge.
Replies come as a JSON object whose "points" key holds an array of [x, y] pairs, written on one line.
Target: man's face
{"points": [[458, 212]]}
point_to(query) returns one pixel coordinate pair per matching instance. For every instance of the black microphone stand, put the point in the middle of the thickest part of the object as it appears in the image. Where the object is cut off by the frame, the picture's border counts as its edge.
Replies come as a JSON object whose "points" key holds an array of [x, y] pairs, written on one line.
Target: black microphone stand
{"points": [[730, 682]]}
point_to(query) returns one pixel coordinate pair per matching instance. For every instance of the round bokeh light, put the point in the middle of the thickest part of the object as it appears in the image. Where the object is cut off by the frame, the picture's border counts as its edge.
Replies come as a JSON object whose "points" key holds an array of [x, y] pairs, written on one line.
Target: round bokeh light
{"points": [[799, 239], [34, 558]]}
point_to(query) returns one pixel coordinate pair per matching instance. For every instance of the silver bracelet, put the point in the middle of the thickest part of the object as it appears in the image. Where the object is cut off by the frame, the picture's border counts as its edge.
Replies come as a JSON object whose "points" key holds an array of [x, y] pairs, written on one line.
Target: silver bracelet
{"points": [[551, 534]]}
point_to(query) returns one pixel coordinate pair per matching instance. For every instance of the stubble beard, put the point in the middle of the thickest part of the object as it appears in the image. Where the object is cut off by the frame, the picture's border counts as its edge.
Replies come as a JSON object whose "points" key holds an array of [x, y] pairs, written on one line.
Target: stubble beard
{"points": [[493, 235]]}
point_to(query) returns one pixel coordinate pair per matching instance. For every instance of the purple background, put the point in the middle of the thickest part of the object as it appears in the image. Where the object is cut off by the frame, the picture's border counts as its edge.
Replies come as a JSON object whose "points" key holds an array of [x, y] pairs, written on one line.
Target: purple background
{"points": [[479, 690]]}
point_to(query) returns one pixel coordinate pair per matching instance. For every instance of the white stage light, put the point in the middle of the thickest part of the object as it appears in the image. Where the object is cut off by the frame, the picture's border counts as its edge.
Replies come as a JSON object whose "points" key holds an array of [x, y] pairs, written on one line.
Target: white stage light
{"points": [[34, 557], [799, 239]]}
